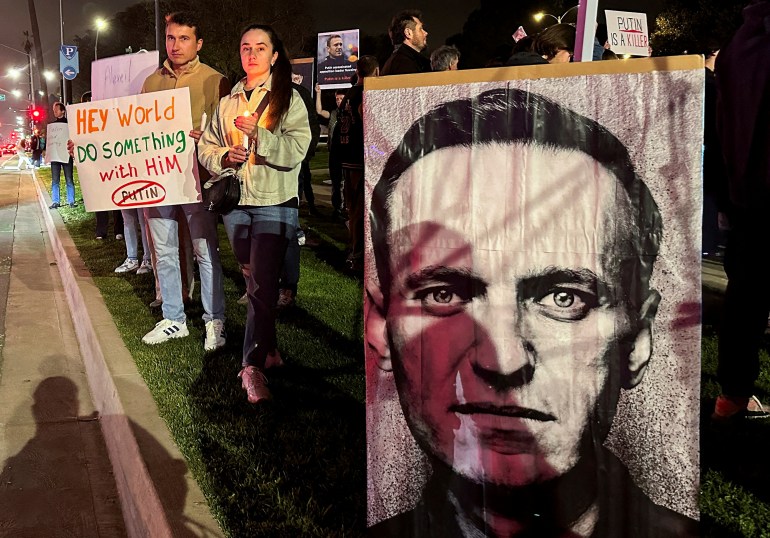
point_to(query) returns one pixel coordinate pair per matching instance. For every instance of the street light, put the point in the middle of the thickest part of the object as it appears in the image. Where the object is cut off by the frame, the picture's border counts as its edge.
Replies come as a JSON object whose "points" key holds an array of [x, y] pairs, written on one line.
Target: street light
{"points": [[100, 24], [541, 15], [49, 75]]}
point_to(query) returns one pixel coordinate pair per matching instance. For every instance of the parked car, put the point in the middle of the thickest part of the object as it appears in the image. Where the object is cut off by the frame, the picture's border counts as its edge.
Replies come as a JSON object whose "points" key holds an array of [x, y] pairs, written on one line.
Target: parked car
{"points": [[9, 149]]}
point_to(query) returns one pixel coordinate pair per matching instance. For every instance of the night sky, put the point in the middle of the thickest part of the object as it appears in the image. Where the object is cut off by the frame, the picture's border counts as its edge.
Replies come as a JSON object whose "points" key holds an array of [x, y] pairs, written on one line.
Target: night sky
{"points": [[442, 18]]}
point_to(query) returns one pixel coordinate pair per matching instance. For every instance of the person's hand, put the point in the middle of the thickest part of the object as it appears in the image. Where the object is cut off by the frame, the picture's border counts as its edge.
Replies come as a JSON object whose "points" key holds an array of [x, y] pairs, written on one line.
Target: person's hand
{"points": [[317, 88], [196, 134], [247, 125], [71, 148], [235, 157]]}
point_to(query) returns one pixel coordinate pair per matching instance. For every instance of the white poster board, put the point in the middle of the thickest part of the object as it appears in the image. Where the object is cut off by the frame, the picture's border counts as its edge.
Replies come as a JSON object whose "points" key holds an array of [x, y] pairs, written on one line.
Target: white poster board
{"points": [[628, 33], [119, 76], [56, 143], [135, 151]]}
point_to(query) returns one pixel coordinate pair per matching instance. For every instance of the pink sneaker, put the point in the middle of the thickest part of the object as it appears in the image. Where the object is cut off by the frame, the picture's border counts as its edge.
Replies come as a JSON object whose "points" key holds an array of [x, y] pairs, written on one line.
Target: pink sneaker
{"points": [[254, 383]]}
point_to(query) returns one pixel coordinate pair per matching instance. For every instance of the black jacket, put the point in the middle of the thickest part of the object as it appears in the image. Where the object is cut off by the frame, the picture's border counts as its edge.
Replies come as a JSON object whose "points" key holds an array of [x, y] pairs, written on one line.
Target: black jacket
{"points": [[405, 60], [743, 108]]}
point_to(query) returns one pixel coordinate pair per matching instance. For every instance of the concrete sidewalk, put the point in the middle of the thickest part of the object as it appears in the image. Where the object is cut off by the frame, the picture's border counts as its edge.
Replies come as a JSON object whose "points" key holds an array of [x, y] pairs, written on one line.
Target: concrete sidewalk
{"points": [[112, 468], [56, 476]]}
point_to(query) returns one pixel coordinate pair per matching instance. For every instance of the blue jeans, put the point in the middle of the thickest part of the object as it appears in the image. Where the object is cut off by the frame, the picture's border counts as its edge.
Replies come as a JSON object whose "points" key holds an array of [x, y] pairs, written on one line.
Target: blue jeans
{"points": [[56, 169], [132, 217], [165, 236], [259, 237]]}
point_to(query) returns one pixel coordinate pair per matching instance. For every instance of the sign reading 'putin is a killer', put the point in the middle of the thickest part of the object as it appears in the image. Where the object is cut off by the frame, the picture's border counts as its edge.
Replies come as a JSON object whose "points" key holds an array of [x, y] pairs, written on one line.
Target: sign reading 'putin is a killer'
{"points": [[135, 151], [628, 33]]}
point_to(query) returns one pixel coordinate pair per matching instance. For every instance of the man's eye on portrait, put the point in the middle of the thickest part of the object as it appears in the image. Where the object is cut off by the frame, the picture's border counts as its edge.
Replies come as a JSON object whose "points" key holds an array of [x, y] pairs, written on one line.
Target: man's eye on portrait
{"points": [[443, 300], [566, 304]]}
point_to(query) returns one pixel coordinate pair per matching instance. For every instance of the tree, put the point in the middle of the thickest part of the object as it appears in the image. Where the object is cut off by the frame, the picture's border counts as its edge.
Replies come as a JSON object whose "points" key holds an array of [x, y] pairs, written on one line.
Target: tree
{"points": [[693, 25]]}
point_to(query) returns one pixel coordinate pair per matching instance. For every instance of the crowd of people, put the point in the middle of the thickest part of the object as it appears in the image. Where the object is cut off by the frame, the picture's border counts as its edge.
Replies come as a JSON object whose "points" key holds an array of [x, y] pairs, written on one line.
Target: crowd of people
{"points": [[271, 149]]}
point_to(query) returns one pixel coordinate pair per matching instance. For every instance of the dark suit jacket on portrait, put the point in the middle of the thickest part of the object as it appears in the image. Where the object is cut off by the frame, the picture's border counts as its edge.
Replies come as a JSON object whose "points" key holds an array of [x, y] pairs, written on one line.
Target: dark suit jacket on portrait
{"points": [[625, 511]]}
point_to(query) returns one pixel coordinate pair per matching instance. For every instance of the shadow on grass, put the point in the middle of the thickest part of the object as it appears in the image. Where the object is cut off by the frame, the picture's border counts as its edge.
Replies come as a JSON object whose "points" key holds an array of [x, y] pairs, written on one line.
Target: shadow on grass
{"points": [[306, 453]]}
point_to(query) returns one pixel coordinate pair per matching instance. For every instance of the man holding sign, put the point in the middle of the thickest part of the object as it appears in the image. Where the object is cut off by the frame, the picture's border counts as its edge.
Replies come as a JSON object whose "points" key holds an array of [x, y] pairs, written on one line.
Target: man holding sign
{"points": [[207, 86]]}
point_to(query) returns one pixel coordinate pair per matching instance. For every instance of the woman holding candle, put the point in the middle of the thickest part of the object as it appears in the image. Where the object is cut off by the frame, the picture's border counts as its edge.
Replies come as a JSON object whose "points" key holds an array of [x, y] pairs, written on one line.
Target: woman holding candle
{"points": [[262, 130]]}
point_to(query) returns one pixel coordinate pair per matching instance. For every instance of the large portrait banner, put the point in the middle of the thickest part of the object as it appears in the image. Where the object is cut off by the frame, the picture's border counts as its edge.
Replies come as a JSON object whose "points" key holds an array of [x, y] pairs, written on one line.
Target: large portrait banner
{"points": [[135, 151], [532, 300]]}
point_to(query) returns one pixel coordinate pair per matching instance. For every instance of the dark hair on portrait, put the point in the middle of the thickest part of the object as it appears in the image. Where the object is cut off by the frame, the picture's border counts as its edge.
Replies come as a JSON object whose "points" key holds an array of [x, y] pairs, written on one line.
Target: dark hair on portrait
{"points": [[280, 86], [329, 40], [401, 21], [443, 57], [186, 18], [553, 39], [367, 65], [513, 116]]}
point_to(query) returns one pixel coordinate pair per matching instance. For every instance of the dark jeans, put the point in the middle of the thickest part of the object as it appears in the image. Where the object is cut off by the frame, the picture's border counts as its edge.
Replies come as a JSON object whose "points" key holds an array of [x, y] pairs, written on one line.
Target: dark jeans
{"points": [[103, 221], [56, 170], [354, 200], [259, 237], [305, 185], [747, 303]]}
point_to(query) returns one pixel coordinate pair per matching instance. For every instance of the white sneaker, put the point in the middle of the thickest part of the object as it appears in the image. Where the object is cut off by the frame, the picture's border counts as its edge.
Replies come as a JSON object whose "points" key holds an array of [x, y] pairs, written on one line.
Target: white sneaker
{"points": [[127, 266], [144, 268], [119, 237], [215, 335], [165, 330]]}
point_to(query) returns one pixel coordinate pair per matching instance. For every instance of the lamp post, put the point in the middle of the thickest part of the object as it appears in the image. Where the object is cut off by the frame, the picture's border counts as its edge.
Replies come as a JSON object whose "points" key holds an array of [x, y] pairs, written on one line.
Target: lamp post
{"points": [[100, 25], [539, 16]]}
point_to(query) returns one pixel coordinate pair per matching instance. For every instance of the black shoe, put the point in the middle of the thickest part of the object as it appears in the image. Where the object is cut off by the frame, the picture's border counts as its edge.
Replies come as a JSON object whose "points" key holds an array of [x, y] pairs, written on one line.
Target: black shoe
{"points": [[73, 204], [54, 205], [314, 210]]}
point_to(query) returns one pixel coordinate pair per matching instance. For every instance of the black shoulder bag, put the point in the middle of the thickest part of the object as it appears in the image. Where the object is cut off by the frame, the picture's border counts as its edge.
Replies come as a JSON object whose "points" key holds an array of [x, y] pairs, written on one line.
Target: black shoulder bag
{"points": [[222, 194]]}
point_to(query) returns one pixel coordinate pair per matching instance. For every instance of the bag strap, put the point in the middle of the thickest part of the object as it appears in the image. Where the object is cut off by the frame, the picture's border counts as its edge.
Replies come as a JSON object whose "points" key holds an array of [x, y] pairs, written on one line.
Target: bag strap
{"points": [[262, 105]]}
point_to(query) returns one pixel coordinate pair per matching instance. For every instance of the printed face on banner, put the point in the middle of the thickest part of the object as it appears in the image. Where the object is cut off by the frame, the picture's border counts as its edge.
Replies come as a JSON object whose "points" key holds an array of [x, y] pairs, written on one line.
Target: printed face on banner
{"points": [[502, 349], [511, 298], [135, 151]]}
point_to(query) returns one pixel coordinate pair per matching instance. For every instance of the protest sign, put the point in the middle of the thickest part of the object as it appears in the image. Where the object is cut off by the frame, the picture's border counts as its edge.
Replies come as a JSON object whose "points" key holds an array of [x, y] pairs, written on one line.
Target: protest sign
{"points": [[119, 76], [337, 56], [135, 151], [499, 355], [302, 73], [56, 143], [627, 33]]}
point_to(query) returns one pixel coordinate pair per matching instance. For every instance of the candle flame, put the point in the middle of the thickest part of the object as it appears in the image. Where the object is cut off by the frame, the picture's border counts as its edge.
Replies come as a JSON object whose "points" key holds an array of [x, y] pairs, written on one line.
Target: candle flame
{"points": [[246, 114]]}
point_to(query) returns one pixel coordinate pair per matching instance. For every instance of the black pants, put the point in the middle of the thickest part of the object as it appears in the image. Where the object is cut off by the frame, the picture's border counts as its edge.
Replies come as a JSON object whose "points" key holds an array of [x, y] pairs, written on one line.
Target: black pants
{"points": [[103, 221], [747, 303], [354, 200], [305, 185], [335, 174]]}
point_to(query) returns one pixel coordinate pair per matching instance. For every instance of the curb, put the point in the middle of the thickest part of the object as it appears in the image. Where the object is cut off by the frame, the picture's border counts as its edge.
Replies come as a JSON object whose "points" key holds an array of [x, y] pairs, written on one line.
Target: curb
{"points": [[124, 403]]}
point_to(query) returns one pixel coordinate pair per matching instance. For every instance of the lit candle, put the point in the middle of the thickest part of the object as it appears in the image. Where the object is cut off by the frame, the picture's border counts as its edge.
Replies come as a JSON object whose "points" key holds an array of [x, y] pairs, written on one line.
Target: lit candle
{"points": [[245, 136]]}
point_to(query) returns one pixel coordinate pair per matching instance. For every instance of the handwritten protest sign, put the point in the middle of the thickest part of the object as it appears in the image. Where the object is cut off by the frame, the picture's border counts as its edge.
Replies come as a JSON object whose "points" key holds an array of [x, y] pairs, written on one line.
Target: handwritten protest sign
{"points": [[135, 151], [628, 33], [119, 76], [56, 143]]}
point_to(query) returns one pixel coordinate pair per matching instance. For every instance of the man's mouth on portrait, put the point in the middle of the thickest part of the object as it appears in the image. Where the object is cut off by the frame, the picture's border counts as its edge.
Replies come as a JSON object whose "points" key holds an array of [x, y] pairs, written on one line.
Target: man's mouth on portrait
{"points": [[503, 428]]}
